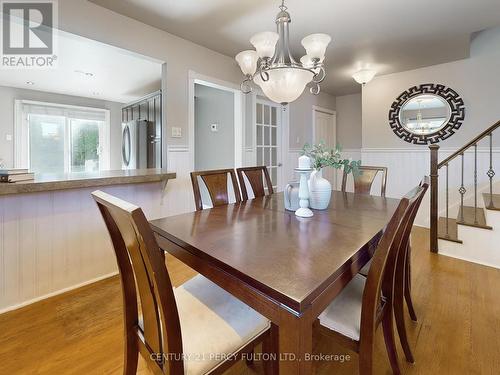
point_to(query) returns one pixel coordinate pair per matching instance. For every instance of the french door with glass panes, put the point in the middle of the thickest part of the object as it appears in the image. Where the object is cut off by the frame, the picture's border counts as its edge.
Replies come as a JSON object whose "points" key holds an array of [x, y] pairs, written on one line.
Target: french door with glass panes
{"points": [[268, 128]]}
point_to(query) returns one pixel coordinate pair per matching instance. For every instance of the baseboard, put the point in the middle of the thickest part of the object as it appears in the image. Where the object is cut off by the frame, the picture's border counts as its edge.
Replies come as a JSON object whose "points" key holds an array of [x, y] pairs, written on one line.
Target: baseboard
{"points": [[57, 292]]}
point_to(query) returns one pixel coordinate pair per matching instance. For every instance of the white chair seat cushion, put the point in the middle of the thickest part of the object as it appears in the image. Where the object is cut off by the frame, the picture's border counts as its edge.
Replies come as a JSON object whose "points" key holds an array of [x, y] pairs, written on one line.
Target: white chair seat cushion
{"points": [[343, 315], [213, 324], [366, 268]]}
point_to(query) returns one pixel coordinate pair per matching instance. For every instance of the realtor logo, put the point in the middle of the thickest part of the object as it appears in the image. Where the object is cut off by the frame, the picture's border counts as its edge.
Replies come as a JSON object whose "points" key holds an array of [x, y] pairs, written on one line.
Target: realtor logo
{"points": [[28, 37]]}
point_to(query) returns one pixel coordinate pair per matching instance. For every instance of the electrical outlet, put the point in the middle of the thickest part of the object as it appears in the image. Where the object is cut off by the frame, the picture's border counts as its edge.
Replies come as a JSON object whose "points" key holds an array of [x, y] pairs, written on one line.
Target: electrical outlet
{"points": [[176, 132]]}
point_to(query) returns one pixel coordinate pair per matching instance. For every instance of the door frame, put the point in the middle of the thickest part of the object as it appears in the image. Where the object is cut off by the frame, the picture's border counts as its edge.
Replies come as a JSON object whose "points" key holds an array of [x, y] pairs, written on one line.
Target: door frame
{"points": [[316, 108], [239, 113]]}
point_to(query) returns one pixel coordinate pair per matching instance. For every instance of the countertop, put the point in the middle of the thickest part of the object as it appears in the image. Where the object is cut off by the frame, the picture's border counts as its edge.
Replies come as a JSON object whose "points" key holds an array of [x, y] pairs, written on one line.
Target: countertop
{"points": [[53, 182]]}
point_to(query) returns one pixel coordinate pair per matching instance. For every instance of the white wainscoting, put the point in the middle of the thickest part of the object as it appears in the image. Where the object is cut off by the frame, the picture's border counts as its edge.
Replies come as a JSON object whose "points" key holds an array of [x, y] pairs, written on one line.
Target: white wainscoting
{"points": [[55, 241], [406, 167], [179, 192]]}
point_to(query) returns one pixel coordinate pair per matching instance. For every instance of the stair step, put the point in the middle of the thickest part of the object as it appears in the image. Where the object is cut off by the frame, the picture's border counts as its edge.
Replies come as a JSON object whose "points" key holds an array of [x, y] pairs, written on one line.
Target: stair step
{"points": [[479, 221], [493, 203], [452, 230]]}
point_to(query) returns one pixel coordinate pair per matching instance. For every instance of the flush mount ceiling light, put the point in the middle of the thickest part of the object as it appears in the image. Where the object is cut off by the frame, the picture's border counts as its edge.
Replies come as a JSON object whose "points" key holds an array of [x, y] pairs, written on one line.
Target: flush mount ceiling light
{"points": [[273, 67], [363, 76], [87, 74]]}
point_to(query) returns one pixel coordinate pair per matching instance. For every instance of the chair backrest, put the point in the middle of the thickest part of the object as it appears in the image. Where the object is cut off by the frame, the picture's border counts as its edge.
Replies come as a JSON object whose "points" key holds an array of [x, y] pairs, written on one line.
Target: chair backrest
{"points": [[255, 177], [217, 186], [363, 180], [405, 241], [139, 258], [380, 280]]}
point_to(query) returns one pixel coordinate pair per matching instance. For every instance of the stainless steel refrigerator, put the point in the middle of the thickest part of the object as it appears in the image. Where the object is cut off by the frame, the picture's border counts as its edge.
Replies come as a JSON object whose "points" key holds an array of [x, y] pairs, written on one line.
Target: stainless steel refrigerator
{"points": [[141, 145]]}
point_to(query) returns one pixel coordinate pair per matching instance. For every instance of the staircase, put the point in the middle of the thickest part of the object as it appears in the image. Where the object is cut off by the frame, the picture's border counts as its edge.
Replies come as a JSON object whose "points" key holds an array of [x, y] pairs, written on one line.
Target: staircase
{"points": [[473, 221]]}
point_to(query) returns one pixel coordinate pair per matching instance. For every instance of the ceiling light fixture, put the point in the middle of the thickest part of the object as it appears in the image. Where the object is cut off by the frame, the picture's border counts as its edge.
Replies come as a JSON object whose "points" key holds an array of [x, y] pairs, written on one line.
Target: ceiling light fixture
{"points": [[280, 77], [363, 76], [31, 83], [88, 74]]}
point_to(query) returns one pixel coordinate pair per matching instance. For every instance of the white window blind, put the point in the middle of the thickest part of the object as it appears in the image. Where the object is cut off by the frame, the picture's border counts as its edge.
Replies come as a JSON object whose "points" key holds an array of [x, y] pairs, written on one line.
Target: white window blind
{"points": [[91, 114]]}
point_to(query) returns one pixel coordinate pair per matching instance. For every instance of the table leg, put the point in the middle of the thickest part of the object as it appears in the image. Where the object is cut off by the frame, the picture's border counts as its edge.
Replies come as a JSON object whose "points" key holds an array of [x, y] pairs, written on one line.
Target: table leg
{"points": [[295, 342]]}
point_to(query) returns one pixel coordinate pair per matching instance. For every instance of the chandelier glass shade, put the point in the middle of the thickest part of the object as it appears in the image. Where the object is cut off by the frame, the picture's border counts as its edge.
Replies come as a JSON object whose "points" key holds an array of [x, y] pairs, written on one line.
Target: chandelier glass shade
{"points": [[272, 66]]}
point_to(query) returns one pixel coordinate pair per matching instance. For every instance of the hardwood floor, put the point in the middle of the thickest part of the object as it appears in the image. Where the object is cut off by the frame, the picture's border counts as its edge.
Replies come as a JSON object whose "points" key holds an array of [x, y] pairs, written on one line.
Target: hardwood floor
{"points": [[458, 332]]}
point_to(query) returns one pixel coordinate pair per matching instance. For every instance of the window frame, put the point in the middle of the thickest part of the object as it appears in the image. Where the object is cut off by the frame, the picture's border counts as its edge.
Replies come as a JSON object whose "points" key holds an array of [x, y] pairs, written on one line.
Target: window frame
{"points": [[21, 135]]}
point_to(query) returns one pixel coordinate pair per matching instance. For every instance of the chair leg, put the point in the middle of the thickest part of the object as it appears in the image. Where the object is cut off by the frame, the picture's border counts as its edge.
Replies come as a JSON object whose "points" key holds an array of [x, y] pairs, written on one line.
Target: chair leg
{"points": [[400, 324], [407, 288], [390, 342], [249, 357], [131, 355], [270, 352]]}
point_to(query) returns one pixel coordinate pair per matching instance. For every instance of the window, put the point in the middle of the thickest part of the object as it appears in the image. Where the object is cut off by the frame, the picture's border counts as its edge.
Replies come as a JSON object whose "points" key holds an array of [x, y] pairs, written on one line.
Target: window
{"points": [[53, 138]]}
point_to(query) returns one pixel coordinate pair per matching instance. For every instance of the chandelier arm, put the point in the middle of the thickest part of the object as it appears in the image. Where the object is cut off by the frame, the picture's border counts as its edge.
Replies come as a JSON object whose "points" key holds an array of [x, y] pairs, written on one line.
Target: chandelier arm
{"points": [[321, 74], [315, 89], [264, 75], [245, 86]]}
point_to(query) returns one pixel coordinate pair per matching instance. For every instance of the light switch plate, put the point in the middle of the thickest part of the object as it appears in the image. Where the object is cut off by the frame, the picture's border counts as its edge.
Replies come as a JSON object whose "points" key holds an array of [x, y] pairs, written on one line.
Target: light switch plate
{"points": [[214, 127], [8, 137], [176, 132]]}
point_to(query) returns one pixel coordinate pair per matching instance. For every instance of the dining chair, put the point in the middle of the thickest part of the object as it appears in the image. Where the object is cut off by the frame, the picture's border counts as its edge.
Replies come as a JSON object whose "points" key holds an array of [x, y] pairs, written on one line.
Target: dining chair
{"points": [[356, 313], [179, 329], [255, 177], [402, 288], [363, 180], [216, 183]]}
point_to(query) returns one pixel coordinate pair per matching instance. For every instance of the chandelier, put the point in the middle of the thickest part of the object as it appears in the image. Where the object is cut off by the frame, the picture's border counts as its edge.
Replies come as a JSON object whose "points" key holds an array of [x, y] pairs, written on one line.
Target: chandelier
{"points": [[273, 68]]}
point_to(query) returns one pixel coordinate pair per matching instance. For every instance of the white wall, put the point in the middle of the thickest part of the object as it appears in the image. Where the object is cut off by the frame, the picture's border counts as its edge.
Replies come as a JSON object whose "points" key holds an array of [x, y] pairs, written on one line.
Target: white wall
{"points": [[9, 94]]}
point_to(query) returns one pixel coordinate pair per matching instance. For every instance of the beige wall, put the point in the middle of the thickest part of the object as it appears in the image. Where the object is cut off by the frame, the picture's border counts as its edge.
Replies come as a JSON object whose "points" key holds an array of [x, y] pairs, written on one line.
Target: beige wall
{"points": [[86, 19], [476, 80], [349, 121], [89, 20], [301, 116], [9, 94]]}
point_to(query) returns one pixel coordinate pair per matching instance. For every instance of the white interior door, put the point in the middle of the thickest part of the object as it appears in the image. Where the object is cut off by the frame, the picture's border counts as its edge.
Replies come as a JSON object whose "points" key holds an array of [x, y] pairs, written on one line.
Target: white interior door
{"points": [[325, 130], [268, 128]]}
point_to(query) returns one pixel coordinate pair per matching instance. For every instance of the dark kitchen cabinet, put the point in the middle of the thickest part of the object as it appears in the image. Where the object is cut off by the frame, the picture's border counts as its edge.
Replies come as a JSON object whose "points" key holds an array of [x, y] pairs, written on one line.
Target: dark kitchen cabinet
{"points": [[148, 109]]}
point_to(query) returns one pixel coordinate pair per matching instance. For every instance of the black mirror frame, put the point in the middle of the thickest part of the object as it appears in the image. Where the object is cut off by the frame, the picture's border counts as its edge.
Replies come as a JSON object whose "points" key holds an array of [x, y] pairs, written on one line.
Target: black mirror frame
{"points": [[457, 115]]}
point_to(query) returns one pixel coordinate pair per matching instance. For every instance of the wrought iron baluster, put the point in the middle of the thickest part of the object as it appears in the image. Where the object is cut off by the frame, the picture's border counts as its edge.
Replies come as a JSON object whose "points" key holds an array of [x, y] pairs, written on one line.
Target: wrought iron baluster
{"points": [[462, 190], [475, 183], [491, 172], [447, 203]]}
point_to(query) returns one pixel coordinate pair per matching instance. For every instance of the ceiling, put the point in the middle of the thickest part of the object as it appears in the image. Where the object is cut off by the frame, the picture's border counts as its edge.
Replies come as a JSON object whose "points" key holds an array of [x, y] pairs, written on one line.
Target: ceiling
{"points": [[388, 35], [88, 68]]}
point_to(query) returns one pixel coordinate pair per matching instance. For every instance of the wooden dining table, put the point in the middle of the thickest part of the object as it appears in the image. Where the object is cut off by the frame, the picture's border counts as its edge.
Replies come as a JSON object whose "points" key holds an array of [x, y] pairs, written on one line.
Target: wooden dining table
{"points": [[287, 268]]}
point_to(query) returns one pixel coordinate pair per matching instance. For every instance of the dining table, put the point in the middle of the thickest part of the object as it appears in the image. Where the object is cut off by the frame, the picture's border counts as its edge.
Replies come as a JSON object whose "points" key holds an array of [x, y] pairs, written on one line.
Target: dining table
{"points": [[287, 268]]}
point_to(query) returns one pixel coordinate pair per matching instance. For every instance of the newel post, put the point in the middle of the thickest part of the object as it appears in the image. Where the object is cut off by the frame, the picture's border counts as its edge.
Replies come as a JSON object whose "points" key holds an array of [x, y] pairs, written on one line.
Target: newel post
{"points": [[434, 198]]}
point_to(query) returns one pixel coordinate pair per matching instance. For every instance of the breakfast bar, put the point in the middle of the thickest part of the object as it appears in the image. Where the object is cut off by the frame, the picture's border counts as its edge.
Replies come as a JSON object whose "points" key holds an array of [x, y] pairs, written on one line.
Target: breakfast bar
{"points": [[52, 236]]}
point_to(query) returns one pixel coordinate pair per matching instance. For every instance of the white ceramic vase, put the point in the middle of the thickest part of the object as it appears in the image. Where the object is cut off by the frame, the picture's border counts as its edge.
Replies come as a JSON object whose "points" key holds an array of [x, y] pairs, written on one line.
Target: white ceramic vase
{"points": [[320, 191]]}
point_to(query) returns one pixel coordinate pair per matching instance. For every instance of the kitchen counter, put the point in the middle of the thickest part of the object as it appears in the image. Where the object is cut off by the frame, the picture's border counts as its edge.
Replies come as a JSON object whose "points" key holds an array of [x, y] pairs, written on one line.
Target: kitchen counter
{"points": [[52, 182]]}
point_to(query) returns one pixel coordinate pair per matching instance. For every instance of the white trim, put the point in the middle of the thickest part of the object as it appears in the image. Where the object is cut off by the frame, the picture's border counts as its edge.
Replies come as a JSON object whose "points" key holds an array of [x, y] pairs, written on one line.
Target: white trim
{"points": [[57, 292], [239, 113]]}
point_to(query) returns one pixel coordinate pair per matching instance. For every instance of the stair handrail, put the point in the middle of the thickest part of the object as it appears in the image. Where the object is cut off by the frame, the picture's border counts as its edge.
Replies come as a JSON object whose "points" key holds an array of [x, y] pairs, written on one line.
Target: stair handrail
{"points": [[435, 166], [474, 141]]}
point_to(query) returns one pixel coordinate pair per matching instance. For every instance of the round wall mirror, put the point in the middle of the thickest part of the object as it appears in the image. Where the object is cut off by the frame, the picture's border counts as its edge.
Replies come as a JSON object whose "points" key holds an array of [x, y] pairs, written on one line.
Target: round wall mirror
{"points": [[427, 114]]}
